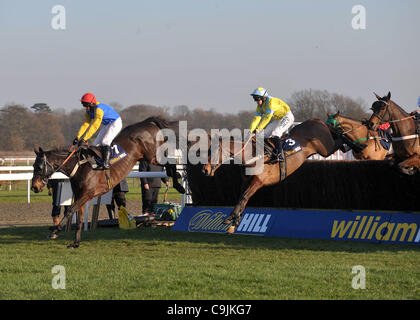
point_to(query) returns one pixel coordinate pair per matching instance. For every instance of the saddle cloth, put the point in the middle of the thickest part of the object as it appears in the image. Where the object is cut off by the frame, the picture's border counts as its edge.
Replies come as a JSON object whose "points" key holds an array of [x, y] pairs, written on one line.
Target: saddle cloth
{"points": [[117, 153], [386, 138], [289, 146]]}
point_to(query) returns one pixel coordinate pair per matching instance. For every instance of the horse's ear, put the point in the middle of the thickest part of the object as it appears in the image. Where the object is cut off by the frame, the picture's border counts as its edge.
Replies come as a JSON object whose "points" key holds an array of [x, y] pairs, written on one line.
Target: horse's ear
{"points": [[388, 97], [40, 150], [377, 97], [36, 150]]}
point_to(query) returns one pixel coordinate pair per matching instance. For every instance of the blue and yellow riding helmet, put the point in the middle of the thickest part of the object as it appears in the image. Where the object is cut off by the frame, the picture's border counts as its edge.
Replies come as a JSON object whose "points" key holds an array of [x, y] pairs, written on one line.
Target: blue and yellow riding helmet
{"points": [[260, 92]]}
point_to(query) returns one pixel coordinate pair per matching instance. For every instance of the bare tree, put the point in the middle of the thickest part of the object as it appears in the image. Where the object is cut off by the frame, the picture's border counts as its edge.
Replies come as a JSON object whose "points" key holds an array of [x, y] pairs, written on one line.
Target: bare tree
{"points": [[306, 104]]}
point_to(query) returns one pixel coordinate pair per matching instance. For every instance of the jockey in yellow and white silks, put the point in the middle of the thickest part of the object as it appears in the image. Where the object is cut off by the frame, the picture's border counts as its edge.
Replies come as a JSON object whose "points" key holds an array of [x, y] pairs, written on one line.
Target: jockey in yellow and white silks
{"points": [[273, 115], [96, 114]]}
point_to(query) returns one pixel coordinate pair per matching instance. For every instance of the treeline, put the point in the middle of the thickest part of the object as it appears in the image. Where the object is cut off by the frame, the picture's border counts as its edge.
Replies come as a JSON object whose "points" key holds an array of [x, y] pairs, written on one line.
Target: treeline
{"points": [[22, 128]]}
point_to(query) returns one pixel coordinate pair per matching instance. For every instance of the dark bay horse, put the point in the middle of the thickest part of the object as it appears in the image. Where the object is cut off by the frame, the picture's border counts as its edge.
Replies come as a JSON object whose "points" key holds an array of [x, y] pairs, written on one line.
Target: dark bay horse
{"points": [[359, 133], [313, 135], [138, 141], [405, 141]]}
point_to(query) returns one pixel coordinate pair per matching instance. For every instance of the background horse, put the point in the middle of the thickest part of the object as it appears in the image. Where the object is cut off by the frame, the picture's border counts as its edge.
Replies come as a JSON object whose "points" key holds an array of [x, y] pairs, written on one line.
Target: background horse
{"points": [[138, 141], [313, 135], [359, 133], [405, 129]]}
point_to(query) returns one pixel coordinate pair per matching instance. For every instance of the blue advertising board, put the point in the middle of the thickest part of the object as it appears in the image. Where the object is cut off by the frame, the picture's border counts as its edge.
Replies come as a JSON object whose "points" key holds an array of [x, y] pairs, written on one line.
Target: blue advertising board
{"points": [[384, 227]]}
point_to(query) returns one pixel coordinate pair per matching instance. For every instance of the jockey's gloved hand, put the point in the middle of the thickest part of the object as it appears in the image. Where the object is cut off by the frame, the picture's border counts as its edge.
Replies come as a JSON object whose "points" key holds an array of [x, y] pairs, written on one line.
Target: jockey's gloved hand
{"points": [[75, 141], [82, 143]]}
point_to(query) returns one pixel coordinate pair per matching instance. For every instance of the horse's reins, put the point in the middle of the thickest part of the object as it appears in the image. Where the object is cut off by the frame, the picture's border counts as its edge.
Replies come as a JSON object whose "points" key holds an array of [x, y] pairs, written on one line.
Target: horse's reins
{"points": [[45, 179], [243, 148], [67, 159]]}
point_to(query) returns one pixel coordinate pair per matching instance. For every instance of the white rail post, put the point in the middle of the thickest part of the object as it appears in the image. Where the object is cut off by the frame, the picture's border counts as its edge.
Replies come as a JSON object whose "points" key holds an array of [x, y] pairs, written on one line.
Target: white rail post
{"points": [[29, 191]]}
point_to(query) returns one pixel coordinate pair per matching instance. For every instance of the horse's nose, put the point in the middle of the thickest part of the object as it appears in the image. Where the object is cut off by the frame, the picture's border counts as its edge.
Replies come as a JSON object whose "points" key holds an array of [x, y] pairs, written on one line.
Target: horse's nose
{"points": [[35, 189]]}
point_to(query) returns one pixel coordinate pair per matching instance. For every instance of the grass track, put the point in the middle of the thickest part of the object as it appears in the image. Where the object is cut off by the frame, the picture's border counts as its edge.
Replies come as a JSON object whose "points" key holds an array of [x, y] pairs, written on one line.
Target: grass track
{"points": [[156, 263]]}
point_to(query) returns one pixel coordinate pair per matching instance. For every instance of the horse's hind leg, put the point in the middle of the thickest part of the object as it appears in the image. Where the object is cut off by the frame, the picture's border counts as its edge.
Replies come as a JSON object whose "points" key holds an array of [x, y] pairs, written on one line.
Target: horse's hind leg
{"points": [[171, 172]]}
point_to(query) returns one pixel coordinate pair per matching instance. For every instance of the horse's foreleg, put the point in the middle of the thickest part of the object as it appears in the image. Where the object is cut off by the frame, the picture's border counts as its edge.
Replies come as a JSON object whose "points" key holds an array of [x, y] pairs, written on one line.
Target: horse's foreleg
{"points": [[73, 208], [79, 224], [235, 215], [56, 229], [411, 165]]}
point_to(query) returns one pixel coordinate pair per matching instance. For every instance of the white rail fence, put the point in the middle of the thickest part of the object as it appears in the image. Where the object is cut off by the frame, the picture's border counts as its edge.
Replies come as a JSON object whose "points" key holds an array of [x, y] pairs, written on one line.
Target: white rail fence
{"points": [[11, 160], [28, 173]]}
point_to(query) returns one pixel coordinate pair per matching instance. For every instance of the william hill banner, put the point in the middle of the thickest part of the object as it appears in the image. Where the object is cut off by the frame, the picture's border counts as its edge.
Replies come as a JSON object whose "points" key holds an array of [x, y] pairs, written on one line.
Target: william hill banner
{"points": [[310, 224]]}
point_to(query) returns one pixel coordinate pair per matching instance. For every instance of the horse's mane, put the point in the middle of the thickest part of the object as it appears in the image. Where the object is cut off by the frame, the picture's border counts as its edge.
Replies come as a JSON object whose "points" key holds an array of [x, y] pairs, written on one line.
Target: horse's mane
{"points": [[60, 151], [350, 118], [405, 113], [160, 122]]}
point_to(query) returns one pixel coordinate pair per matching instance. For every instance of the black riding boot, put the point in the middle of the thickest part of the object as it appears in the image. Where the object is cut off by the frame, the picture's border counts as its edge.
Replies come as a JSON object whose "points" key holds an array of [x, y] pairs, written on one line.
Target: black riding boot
{"points": [[106, 154], [278, 149]]}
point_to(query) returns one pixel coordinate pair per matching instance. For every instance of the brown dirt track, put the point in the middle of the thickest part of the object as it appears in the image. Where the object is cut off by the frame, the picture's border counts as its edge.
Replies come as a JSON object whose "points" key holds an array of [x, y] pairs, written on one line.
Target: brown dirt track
{"points": [[39, 213]]}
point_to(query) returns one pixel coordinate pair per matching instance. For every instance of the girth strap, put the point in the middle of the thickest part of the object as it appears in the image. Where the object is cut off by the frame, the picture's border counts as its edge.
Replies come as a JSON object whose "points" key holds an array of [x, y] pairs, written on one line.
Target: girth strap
{"points": [[108, 179], [77, 166]]}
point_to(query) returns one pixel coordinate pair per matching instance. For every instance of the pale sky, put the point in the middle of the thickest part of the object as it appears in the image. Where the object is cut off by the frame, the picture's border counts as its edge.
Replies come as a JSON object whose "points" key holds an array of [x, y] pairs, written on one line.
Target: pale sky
{"points": [[206, 54]]}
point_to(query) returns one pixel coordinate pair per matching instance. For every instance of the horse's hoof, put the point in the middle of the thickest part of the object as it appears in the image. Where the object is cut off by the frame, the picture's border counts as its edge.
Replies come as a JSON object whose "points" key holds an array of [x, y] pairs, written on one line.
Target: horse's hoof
{"points": [[408, 171], [55, 228], [73, 246], [53, 236], [231, 230], [227, 220]]}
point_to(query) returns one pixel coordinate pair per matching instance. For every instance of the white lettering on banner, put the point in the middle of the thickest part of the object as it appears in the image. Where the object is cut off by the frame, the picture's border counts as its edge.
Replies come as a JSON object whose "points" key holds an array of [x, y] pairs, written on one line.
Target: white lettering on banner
{"points": [[265, 224], [246, 220], [417, 237], [252, 223], [257, 226]]}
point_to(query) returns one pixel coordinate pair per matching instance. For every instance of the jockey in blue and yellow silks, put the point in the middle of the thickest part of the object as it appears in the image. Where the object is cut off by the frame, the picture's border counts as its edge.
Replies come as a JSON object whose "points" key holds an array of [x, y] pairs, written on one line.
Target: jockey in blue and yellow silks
{"points": [[273, 115], [96, 114]]}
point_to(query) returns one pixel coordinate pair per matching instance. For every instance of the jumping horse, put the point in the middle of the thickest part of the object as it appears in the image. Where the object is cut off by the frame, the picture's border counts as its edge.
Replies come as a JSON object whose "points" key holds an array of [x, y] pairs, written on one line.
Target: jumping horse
{"points": [[313, 135], [137, 140], [405, 141], [360, 134]]}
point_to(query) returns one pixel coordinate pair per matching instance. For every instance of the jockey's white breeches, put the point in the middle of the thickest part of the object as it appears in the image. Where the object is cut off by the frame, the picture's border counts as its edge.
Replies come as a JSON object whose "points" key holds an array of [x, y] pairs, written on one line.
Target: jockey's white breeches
{"points": [[108, 133], [279, 127]]}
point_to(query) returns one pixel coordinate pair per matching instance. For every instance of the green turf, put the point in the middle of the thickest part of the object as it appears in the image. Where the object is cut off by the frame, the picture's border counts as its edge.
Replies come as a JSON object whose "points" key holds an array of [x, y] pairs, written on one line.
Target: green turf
{"points": [[156, 263]]}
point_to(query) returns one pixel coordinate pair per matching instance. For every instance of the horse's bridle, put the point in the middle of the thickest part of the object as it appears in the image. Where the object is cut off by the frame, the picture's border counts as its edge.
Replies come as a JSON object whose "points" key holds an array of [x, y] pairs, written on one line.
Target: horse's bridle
{"points": [[381, 118], [336, 125], [47, 169]]}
